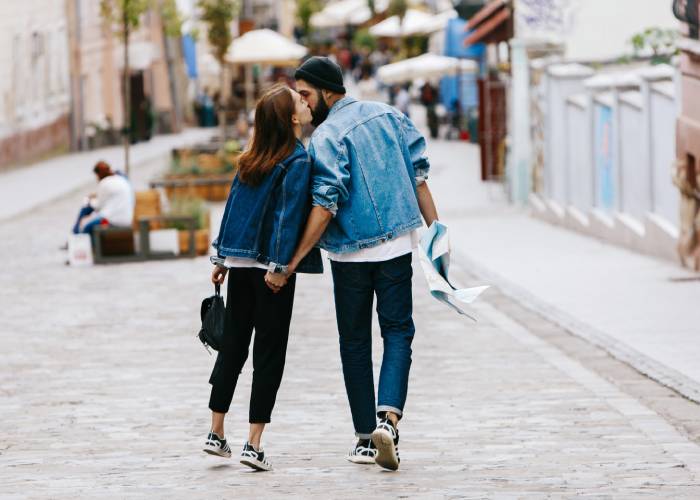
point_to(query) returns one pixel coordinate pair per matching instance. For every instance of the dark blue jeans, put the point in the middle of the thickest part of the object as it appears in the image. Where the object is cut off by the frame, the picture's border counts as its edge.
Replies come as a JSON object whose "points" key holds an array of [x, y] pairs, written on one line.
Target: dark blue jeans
{"points": [[84, 212], [355, 284]]}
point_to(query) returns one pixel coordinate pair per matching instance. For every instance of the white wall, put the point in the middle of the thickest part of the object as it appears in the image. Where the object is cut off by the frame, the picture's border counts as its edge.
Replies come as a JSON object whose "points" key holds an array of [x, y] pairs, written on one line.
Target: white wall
{"points": [[635, 182], [559, 90], [34, 89], [579, 166], [592, 29], [666, 197]]}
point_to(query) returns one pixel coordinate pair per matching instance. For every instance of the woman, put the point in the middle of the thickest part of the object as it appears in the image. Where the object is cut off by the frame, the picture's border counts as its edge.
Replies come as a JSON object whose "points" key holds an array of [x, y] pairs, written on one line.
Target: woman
{"points": [[263, 220]]}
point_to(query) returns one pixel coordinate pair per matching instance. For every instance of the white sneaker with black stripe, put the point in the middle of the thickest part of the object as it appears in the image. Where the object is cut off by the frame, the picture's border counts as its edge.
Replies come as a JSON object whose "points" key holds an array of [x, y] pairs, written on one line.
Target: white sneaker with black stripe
{"points": [[386, 438], [363, 452], [215, 445], [254, 459]]}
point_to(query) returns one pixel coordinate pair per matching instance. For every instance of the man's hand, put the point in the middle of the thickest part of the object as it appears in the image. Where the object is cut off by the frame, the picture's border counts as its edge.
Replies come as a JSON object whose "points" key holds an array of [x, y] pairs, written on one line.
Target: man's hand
{"points": [[218, 275], [275, 281]]}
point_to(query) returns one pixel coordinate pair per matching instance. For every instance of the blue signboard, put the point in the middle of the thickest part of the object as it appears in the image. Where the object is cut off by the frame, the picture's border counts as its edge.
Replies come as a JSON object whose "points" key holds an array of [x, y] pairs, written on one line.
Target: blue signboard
{"points": [[189, 52], [454, 47], [605, 175]]}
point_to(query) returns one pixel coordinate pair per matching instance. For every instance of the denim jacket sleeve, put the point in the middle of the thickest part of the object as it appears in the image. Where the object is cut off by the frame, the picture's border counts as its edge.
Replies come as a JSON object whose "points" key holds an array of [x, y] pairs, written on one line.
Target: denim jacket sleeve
{"points": [[416, 146], [331, 174], [290, 214]]}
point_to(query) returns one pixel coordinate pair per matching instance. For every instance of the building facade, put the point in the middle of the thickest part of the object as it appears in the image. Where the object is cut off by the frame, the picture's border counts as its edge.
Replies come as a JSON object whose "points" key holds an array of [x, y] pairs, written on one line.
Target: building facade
{"points": [[34, 80], [97, 78]]}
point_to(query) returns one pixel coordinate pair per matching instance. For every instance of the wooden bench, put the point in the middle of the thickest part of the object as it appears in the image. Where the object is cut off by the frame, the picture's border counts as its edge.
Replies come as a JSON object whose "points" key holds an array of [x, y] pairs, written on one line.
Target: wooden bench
{"points": [[114, 244]]}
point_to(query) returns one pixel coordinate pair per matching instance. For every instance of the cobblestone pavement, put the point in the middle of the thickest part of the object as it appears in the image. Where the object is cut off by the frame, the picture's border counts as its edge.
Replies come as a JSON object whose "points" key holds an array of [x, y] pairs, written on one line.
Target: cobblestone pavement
{"points": [[103, 393]]}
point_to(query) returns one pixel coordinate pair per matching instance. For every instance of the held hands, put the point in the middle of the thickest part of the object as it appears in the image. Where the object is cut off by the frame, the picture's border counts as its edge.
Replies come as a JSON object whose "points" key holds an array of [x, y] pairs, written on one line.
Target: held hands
{"points": [[275, 281]]}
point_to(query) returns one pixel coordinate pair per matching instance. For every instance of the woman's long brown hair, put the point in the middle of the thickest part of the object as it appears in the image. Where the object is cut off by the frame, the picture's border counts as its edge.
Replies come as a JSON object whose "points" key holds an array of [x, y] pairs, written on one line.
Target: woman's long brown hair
{"points": [[273, 135]]}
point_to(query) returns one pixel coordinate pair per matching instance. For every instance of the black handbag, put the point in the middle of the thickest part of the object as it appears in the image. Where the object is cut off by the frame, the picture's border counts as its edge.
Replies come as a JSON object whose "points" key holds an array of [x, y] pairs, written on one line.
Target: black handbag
{"points": [[212, 313]]}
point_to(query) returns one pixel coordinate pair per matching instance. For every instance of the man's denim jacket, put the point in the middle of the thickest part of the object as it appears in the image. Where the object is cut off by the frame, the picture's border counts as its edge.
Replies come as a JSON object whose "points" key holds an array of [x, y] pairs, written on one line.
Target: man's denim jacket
{"points": [[367, 160], [265, 222]]}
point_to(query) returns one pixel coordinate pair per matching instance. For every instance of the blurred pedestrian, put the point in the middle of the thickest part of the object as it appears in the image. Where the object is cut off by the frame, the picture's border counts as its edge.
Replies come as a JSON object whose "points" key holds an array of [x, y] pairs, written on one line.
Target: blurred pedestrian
{"points": [[368, 87], [429, 99], [112, 205], [403, 99]]}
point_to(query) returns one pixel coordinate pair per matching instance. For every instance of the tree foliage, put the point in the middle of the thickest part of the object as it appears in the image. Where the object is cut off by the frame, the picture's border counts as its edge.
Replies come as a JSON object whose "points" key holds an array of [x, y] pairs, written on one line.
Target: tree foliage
{"points": [[306, 9], [218, 16], [660, 42], [398, 8], [126, 14]]}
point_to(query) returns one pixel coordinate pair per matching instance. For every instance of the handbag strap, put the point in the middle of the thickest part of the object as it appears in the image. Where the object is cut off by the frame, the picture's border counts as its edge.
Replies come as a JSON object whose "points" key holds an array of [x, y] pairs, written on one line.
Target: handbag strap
{"points": [[217, 289]]}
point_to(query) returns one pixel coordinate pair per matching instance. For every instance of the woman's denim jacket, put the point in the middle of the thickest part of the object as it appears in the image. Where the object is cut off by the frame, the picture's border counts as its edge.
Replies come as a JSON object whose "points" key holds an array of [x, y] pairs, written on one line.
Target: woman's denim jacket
{"points": [[265, 222], [367, 160]]}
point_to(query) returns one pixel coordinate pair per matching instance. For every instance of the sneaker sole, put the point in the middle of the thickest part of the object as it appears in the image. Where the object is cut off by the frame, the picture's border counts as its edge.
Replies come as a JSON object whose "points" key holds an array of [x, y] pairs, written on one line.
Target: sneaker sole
{"points": [[256, 464], [360, 460], [212, 450], [386, 451]]}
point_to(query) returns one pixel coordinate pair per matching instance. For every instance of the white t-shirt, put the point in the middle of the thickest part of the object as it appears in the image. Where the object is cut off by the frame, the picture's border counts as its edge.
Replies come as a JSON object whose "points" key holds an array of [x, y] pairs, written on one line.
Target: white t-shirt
{"points": [[385, 251], [243, 262], [115, 200]]}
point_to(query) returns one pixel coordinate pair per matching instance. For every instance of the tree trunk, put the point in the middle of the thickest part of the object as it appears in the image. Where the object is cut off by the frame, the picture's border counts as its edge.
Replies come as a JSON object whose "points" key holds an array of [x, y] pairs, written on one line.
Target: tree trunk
{"points": [[127, 95], [222, 102]]}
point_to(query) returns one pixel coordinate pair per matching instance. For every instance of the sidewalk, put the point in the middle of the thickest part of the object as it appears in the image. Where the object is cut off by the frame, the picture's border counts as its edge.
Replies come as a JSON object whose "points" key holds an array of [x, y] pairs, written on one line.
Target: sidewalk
{"points": [[632, 305], [27, 187]]}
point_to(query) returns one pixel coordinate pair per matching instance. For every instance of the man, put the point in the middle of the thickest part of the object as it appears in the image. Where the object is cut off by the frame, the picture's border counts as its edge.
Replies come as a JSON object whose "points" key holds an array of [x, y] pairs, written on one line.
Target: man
{"points": [[112, 205], [369, 192]]}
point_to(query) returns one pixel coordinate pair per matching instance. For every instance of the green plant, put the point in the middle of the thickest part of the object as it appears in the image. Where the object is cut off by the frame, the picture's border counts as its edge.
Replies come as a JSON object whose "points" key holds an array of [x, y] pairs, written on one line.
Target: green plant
{"points": [[218, 16], [189, 207], [364, 39], [398, 8], [661, 43], [306, 9], [124, 16]]}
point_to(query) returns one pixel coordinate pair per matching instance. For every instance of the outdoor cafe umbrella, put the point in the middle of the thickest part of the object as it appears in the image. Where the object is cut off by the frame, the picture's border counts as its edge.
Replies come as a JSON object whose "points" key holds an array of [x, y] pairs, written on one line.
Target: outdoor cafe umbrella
{"points": [[415, 22], [426, 66], [263, 46], [343, 12]]}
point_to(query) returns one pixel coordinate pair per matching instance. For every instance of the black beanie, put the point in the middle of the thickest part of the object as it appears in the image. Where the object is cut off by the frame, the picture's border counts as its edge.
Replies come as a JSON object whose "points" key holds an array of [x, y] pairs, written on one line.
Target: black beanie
{"points": [[321, 72]]}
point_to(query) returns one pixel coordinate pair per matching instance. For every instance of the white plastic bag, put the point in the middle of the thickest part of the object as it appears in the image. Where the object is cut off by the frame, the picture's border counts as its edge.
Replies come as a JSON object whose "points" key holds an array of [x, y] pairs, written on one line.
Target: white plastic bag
{"points": [[80, 250]]}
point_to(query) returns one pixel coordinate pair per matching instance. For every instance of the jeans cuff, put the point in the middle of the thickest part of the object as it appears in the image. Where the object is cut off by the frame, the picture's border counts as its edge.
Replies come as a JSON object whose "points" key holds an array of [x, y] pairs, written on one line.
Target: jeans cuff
{"points": [[363, 436], [392, 409]]}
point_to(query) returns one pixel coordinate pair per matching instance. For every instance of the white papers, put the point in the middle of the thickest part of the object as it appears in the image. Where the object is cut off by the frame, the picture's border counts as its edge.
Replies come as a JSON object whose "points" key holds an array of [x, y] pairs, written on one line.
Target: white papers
{"points": [[434, 252]]}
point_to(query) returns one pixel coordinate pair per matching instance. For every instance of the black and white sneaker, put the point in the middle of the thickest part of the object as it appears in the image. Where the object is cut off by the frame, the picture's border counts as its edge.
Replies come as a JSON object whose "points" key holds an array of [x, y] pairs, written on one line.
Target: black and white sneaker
{"points": [[254, 459], [363, 452], [386, 438], [215, 445]]}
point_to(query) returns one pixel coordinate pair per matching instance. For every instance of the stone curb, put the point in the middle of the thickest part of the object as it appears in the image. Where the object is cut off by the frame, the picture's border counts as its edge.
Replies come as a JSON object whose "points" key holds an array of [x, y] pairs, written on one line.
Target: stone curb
{"points": [[662, 374]]}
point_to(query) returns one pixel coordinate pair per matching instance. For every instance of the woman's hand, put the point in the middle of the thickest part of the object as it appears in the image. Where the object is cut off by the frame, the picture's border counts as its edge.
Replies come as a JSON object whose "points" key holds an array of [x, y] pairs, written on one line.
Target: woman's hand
{"points": [[275, 281], [218, 275]]}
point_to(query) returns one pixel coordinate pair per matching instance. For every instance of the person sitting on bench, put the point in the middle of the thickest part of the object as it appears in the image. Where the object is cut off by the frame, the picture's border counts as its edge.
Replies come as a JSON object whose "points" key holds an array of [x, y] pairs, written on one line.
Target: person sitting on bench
{"points": [[113, 205]]}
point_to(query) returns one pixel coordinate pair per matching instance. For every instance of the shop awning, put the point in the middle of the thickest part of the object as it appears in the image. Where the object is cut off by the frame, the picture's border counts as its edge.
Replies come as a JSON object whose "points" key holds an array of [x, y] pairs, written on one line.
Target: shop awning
{"points": [[492, 24]]}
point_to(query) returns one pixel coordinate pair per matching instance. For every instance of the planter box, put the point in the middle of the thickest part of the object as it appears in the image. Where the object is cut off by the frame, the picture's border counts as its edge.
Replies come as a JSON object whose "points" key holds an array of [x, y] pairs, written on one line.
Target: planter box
{"points": [[207, 187], [201, 244]]}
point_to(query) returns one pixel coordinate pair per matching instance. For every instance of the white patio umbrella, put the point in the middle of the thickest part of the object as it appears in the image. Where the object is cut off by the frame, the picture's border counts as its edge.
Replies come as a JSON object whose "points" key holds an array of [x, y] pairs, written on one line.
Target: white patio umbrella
{"points": [[265, 46], [344, 12], [426, 66], [415, 22]]}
